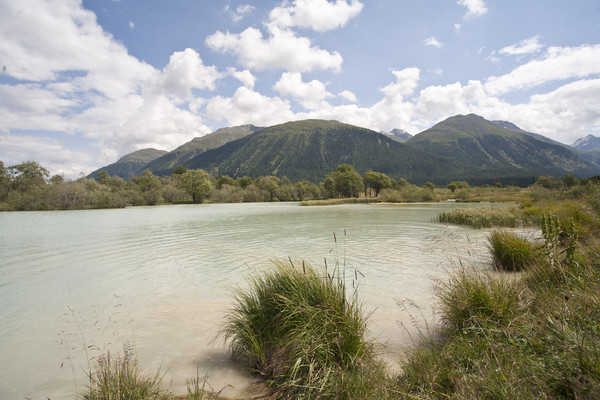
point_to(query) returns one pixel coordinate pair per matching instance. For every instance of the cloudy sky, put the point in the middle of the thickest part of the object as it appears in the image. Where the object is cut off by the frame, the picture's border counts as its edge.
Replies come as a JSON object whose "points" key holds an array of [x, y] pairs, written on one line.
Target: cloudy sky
{"points": [[83, 83]]}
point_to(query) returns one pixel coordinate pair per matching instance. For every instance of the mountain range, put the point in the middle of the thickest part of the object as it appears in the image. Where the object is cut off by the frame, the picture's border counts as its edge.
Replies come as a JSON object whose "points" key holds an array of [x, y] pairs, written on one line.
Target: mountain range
{"points": [[463, 147]]}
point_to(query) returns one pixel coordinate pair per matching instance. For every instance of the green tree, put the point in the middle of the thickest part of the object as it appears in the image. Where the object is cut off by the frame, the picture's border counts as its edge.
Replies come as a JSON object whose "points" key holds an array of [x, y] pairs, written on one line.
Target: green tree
{"points": [[225, 180], [376, 181], [429, 186], [348, 182], [146, 182], [196, 182], [57, 179], [27, 175], [270, 184], [329, 186], [103, 177], [549, 182], [570, 180], [179, 170], [244, 182], [149, 185]]}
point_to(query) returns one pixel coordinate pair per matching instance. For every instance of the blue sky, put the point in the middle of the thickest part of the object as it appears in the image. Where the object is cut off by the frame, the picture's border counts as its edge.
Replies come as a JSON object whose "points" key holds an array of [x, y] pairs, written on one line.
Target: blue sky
{"points": [[83, 83]]}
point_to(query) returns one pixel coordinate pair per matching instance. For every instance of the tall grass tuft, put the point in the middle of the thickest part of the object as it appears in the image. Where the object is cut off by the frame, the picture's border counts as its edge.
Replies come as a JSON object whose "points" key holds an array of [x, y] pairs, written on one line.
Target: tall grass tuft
{"points": [[512, 252], [300, 331], [471, 299], [119, 377]]}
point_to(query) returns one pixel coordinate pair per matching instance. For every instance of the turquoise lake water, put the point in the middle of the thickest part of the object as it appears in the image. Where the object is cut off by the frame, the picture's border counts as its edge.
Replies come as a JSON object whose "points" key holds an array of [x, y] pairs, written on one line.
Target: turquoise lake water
{"points": [[161, 278]]}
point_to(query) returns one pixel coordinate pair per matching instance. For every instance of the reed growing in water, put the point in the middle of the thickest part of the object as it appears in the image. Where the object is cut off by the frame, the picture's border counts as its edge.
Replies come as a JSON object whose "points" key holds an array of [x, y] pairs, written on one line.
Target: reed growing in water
{"points": [[119, 377], [487, 217], [511, 251]]}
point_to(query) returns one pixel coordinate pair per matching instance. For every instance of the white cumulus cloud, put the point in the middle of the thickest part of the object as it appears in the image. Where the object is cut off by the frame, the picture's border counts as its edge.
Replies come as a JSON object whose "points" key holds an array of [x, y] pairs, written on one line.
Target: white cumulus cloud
{"points": [[320, 15], [558, 63], [348, 95], [310, 94], [283, 49], [184, 72], [475, 8], [246, 77], [240, 12], [78, 84], [525, 46], [432, 41], [247, 106], [58, 157]]}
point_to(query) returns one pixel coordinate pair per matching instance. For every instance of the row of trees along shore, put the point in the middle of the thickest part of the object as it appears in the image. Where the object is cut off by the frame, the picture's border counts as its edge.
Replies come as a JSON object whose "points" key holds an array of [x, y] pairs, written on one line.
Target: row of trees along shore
{"points": [[29, 186]]}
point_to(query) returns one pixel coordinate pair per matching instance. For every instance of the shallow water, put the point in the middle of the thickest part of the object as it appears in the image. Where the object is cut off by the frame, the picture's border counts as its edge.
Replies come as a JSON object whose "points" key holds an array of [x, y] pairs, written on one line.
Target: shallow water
{"points": [[162, 278]]}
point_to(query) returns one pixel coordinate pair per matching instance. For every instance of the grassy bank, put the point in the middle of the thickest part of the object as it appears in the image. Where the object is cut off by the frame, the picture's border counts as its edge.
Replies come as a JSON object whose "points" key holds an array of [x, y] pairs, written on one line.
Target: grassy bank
{"points": [[530, 336]]}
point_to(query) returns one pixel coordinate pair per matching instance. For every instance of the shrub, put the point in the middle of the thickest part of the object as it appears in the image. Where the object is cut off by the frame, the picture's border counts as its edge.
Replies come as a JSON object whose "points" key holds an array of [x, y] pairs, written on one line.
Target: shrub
{"points": [[511, 252], [300, 331]]}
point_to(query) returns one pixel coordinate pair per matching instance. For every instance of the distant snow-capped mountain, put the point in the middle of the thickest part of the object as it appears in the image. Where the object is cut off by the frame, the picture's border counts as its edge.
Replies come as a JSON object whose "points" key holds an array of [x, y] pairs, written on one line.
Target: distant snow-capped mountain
{"points": [[590, 142], [399, 135]]}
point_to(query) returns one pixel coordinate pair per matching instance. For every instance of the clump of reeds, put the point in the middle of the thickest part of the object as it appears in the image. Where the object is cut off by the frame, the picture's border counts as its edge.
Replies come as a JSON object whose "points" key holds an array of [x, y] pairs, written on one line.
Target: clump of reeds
{"points": [[473, 298], [326, 202], [486, 217], [301, 331], [119, 377], [511, 251]]}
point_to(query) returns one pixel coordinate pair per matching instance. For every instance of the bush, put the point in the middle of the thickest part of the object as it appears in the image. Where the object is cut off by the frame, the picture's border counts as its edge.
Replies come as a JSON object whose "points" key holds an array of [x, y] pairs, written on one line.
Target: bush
{"points": [[511, 252], [300, 331]]}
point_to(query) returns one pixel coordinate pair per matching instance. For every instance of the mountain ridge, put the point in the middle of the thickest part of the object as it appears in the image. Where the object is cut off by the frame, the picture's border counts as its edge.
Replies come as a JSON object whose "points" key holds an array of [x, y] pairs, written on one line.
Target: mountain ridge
{"points": [[491, 150], [461, 147], [310, 149], [131, 163], [198, 145]]}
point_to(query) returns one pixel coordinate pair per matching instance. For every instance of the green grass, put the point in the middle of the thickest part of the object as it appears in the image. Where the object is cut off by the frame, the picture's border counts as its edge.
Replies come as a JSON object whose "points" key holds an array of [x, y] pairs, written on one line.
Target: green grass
{"points": [[119, 377], [535, 335], [474, 298], [511, 251], [488, 217], [303, 334], [338, 201]]}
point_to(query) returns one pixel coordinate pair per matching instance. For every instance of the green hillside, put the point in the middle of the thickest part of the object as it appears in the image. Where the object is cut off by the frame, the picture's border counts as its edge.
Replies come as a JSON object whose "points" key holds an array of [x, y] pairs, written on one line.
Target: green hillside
{"points": [[490, 151], [130, 164], [468, 148], [165, 164], [311, 149]]}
